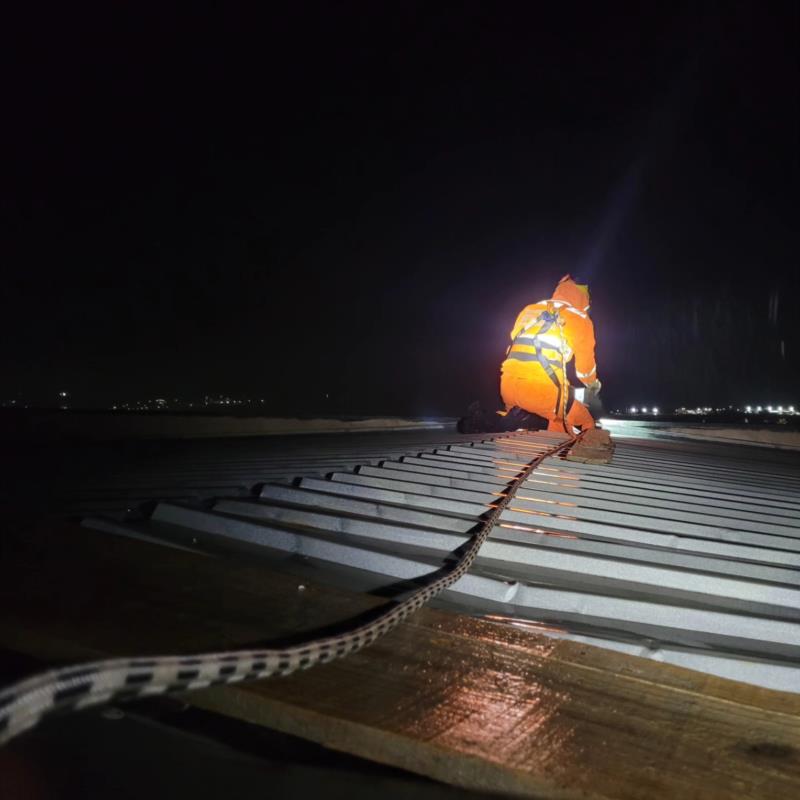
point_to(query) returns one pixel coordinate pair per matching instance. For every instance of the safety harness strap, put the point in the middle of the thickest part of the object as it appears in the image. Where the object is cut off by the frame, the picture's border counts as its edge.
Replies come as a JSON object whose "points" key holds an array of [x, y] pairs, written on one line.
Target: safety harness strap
{"points": [[547, 318], [517, 356]]}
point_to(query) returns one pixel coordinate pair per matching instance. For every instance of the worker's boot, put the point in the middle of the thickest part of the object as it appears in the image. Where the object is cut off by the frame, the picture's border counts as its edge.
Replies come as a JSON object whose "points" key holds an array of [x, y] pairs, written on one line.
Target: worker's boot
{"points": [[474, 422], [517, 418]]}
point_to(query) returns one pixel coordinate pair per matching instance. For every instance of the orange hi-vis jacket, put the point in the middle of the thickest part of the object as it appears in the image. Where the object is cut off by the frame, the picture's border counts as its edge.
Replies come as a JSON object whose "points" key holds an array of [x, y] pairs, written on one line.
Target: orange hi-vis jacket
{"points": [[546, 336]]}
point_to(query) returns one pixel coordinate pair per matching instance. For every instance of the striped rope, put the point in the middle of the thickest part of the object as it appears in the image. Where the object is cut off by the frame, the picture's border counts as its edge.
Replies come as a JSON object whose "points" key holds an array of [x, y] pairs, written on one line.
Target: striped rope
{"points": [[24, 704]]}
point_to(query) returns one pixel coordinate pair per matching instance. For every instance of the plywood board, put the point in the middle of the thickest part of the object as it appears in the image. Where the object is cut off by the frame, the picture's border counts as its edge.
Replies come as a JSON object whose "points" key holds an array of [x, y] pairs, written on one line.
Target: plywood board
{"points": [[467, 701]]}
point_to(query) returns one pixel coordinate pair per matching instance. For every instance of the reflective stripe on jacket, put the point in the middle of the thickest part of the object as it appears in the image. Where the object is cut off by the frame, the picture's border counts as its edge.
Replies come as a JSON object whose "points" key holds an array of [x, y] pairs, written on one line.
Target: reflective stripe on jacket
{"points": [[547, 335]]}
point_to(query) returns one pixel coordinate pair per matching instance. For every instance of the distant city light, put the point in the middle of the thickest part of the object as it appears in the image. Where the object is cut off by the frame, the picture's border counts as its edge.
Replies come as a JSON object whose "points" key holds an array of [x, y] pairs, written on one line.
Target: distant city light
{"points": [[226, 404], [791, 410]]}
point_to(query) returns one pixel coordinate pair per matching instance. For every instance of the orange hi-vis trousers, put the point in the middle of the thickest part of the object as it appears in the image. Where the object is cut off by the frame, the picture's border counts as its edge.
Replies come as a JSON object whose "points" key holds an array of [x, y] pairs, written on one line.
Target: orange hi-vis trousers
{"points": [[539, 396]]}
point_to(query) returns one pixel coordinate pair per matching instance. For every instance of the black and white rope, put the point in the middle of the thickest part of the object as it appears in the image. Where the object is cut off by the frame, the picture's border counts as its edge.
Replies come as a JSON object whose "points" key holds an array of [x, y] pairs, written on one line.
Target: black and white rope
{"points": [[23, 704]]}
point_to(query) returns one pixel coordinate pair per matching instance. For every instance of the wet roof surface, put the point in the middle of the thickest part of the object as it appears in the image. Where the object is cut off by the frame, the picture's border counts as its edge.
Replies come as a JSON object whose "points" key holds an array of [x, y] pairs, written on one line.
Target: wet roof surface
{"points": [[682, 551]]}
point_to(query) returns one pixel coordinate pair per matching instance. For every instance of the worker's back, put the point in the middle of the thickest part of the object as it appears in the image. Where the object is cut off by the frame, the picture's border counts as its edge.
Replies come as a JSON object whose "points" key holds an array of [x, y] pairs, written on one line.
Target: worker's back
{"points": [[556, 330]]}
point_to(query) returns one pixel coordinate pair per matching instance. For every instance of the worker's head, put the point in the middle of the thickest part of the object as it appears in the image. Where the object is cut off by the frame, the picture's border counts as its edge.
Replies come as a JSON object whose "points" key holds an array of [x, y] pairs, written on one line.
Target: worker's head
{"points": [[576, 294]]}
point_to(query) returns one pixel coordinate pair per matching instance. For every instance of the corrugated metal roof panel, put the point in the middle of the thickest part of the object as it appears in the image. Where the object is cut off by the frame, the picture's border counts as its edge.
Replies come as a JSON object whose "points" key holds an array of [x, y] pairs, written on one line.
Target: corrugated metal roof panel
{"points": [[690, 554]]}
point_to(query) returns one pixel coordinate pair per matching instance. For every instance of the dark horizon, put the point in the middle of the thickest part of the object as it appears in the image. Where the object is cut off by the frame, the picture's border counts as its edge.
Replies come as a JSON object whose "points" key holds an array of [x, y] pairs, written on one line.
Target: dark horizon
{"points": [[343, 209]]}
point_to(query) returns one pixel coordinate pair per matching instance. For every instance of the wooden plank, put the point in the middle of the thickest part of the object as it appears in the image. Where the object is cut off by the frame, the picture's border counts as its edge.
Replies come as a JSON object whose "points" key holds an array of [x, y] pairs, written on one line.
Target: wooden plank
{"points": [[467, 701], [594, 447]]}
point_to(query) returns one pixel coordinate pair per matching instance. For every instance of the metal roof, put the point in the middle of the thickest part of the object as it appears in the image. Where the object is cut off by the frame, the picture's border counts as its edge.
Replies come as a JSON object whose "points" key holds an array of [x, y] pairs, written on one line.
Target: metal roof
{"points": [[684, 552], [116, 479]]}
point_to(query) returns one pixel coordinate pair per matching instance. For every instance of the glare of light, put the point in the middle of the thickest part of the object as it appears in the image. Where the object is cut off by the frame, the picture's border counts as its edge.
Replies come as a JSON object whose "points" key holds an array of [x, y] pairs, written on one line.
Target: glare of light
{"points": [[780, 409], [791, 409], [747, 409], [63, 394], [655, 410], [758, 409], [633, 410]]}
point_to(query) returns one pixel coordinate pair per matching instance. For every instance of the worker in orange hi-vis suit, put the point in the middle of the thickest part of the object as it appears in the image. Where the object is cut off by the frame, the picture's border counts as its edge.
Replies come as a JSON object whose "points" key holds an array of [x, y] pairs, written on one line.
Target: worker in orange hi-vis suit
{"points": [[544, 340]]}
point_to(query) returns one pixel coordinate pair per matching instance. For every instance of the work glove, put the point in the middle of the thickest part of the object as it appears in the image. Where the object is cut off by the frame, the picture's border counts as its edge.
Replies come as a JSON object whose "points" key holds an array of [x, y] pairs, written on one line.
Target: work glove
{"points": [[594, 387]]}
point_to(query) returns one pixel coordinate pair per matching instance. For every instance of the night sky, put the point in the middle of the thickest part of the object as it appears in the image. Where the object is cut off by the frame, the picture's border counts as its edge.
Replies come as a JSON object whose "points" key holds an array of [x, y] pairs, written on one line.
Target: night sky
{"points": [[342, 207]]}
